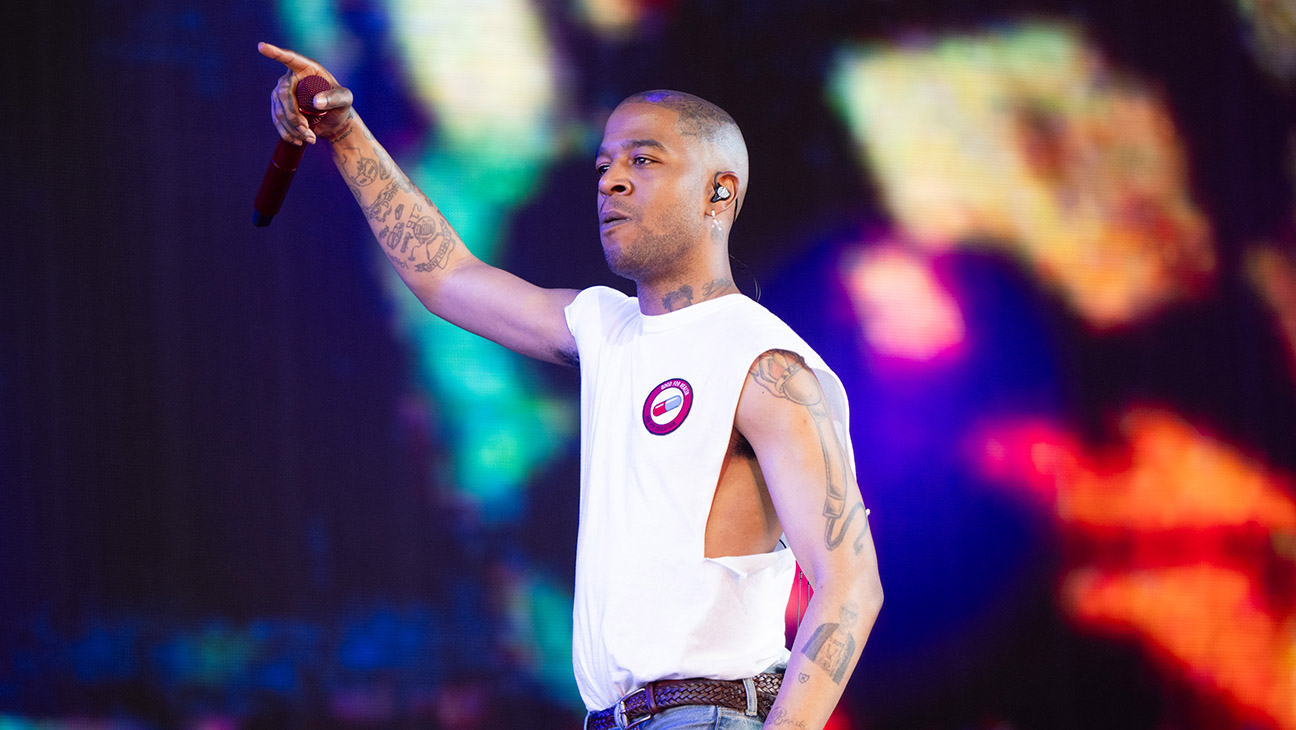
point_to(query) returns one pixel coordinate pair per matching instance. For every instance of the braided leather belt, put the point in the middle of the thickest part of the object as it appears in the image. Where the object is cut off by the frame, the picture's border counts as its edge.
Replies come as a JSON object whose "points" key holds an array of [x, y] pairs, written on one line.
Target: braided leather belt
{"points": [[654, 697]]}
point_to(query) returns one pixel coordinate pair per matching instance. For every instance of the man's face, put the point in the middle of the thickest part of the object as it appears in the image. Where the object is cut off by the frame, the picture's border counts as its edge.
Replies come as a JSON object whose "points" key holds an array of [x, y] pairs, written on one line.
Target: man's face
{"points": [[650, 192]]}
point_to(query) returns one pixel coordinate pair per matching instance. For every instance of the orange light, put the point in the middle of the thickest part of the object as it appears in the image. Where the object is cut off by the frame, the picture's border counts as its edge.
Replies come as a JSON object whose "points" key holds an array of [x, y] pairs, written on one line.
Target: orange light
{"points": [[1170, 476], [1177, 538], [1204, 619]]}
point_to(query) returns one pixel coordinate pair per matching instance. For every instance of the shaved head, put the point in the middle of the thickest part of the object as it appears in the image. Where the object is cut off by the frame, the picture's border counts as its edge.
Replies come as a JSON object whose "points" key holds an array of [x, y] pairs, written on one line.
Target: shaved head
{"points": [[715, 132]]}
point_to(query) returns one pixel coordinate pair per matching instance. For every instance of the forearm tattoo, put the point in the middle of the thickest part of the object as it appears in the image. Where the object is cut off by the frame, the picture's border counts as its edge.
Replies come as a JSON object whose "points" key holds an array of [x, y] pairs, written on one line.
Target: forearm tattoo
{"points": [[413, 231], [362, 171], [785, 375], [779, 718], [346, 132], [832, 646], [428, 239]]}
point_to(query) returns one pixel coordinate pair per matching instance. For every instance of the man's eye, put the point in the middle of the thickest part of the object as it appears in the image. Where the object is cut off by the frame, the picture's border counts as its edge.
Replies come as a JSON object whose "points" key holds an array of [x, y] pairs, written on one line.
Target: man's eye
{"points": [[641, 160], [600, 169]]}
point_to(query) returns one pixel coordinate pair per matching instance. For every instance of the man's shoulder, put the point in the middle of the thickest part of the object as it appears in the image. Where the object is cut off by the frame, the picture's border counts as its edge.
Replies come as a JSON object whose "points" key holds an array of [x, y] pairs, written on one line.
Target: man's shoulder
{"points": [[603, 298], [597, 311], [756, 319], [769, 333]]}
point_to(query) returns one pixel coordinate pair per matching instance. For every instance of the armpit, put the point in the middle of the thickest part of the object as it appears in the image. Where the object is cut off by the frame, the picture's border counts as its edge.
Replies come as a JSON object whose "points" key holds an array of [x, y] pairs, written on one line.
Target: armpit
{"points": [[740, 446], [567, 357]]}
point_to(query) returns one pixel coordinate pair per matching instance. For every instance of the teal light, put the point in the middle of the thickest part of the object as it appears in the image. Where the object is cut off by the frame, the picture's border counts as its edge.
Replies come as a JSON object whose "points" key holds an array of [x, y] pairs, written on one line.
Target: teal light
{"points": [[486, 73], [482, 161]]}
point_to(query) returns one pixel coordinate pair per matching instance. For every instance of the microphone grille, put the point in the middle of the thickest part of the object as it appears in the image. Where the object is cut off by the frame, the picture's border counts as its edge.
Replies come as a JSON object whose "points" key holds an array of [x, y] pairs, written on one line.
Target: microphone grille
{"points": [[307, 88]]}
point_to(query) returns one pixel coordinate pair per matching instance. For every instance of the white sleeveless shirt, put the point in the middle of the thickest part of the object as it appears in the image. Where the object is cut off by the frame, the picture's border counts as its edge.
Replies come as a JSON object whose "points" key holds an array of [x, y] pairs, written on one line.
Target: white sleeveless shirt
{"points": [[658, 400]]}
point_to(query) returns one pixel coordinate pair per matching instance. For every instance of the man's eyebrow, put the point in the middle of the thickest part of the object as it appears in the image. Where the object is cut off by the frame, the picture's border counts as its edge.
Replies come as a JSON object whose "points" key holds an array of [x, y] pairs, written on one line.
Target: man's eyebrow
{"points": [[631, 144]]}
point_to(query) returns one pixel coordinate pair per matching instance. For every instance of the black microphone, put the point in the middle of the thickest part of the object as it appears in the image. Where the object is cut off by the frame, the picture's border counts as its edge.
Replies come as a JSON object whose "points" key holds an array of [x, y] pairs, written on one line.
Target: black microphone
{"points": [[283, 164]]}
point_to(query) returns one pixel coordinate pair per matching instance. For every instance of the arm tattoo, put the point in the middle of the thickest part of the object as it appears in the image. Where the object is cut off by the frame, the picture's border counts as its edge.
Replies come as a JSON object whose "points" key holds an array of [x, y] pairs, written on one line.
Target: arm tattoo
{"points": [[358, 170], [779, 718], [424, 240], [348, 126], [832, 645], [381, 208], [785, 375], [430, 233], [775, 371], [361, 171], [412, 233]]}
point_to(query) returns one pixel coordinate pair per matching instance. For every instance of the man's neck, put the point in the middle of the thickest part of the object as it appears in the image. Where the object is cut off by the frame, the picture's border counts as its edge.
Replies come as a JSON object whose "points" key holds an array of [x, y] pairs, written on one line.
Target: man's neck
{"points": [[677, 295]]}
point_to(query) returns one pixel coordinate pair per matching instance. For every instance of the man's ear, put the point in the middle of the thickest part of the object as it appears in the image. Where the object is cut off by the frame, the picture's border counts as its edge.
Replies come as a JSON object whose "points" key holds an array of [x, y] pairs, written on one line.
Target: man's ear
{"points": [[724, 191]]}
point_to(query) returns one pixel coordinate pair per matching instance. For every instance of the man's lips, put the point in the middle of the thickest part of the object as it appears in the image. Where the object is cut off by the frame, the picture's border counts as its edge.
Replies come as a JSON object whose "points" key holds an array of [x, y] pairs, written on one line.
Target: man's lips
{"points": [[612, 217]]}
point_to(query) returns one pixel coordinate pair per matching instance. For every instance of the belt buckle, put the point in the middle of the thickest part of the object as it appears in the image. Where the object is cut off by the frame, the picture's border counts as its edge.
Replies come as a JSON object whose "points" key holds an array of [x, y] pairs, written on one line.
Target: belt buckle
{"points": [[619, 712]]}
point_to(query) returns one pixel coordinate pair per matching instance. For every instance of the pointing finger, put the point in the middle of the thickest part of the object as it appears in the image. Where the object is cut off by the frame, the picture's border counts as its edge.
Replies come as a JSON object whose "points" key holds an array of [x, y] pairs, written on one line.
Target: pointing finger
{"points": [[293, 60]]}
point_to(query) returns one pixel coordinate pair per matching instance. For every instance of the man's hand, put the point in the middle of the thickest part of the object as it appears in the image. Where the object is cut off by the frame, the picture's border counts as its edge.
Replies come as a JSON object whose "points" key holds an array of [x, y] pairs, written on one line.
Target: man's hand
{"points": [[411, 231], [288, 121]]}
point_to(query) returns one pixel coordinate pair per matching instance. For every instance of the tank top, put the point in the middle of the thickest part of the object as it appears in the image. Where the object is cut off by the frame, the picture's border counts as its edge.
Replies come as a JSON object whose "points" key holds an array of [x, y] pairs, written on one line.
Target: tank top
{"points": [[658, 399]]}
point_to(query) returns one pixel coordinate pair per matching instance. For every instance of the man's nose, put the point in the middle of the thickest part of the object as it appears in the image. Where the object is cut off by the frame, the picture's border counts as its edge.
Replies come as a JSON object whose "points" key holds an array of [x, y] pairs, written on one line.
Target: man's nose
{"points": [[614, 182]]}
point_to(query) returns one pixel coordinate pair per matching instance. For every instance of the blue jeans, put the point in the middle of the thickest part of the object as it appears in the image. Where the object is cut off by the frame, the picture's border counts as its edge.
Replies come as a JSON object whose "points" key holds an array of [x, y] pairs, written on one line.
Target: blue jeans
{"points": [[701, 717]]}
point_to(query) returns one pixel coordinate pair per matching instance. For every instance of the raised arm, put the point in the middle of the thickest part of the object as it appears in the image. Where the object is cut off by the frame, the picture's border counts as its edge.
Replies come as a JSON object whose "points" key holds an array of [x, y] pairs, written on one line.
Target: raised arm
{"points": [[416, 238], [783, 413]]}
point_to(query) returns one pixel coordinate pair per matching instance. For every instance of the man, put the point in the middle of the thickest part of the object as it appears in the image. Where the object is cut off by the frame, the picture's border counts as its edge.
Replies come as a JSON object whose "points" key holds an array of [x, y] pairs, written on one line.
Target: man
{"points": [[712, 437]]}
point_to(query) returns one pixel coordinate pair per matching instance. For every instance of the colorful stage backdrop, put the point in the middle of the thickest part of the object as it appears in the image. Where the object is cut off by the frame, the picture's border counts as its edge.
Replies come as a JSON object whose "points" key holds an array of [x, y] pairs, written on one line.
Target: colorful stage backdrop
{"points": [[247, 482]]}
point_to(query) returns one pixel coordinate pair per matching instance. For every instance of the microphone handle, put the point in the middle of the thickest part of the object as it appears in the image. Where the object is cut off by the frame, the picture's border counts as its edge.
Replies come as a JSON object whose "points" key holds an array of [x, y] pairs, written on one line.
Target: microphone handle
{"points": [[283, 164], [274, 186]]}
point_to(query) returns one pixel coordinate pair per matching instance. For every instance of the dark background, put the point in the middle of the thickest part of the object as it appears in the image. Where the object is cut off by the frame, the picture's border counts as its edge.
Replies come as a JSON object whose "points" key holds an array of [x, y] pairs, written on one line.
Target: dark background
{"points": [[219, 493]]}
